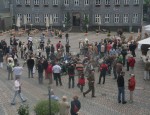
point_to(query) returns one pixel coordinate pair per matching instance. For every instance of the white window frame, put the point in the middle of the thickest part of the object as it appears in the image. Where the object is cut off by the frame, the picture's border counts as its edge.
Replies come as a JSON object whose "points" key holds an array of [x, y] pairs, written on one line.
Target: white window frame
{"points": [[19, 15], [107, 2], [45, 2], [136, 2], [55, 18], [97, 2], [27, 2], [45, 15], [107, 18], [55, 2], [37, 18], [36, 2], [97, 18], [66, 2], [86, 2], [76, 2], [126, 2], [18, 2], [28, 18], [117, 2], [126, 18], [135, 18], [116, 18]]}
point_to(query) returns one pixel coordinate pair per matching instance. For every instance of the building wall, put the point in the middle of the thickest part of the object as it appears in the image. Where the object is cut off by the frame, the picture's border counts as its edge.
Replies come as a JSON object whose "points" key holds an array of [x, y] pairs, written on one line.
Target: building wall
{"points": [[90, 9]]}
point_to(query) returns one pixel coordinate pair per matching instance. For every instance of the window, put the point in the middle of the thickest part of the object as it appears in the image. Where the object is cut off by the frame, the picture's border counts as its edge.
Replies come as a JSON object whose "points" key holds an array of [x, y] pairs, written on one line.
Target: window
{"points": [[36, 2], [136, 2], [19, 15], [18, 2], [37, 19], [27, 2], [125, 18], [126, 2], [66, 2], [135, 18], [107, 2], [45, 2], [98, 2], [116, 20], [55, 2], [55, 18], [117, 2], [76, 2], [107, 18], [97, 18], [45, 15], [28, 18], [86, 2]]}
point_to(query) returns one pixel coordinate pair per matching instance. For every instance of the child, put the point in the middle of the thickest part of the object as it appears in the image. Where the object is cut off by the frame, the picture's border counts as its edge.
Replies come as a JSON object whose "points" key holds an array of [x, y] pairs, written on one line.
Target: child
{"points": [[81, 82]]}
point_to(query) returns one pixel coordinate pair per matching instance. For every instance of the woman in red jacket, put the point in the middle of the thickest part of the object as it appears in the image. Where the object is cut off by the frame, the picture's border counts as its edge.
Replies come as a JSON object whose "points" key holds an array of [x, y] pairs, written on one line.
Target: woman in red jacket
{"points": [[131, 62], [131, 86]]}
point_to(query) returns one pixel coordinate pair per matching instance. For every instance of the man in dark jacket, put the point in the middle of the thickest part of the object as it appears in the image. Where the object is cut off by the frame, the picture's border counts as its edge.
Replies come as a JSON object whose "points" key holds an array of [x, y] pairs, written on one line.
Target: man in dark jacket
{"points": [[47, 48], [40, 71], [121, 88], [91, 80], [75, 106], [52, 49], [71, 73], [30, 64], [124, 53], [1, 58]]}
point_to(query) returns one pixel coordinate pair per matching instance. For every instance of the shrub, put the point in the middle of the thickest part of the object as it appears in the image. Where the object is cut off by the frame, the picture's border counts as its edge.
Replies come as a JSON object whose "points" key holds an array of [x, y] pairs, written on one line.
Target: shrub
{"points": [[23, 110], [42, 107]]}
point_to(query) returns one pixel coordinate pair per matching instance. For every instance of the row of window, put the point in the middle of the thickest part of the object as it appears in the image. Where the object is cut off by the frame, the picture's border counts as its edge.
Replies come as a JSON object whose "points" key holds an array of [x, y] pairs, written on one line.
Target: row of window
{"points": [[77, 2], [97, 18]]}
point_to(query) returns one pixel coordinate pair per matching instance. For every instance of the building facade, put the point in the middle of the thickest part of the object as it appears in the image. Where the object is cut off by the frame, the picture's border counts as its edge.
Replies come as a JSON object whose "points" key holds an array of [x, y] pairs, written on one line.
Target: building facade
{"points": [[127, 14]]}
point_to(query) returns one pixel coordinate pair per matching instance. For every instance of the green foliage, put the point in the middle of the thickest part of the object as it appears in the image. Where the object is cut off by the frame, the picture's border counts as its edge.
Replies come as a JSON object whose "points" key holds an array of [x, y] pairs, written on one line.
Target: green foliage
{"points": [[42, 107], [147, 2], [23, 110]]}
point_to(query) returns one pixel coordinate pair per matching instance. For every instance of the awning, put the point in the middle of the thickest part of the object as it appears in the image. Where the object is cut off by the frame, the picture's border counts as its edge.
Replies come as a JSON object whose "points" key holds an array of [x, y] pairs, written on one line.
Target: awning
{"points": [[145, 41]]}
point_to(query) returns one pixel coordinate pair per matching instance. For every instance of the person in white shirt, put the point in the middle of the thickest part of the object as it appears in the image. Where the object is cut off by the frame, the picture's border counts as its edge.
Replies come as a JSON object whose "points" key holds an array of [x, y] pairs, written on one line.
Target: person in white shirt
{"points": [[17, 88], [57, 70], [17, 71]]}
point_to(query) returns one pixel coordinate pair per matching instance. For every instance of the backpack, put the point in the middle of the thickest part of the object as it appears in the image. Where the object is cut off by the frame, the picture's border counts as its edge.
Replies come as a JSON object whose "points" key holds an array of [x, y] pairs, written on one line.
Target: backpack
{"points": [[9, 67], [75, 109]]}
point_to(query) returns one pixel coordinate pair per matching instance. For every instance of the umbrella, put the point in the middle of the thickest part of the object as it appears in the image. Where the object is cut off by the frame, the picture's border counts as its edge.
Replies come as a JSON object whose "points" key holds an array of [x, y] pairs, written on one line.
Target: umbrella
{"points": [[147, 26], [18, 22], [145, 41], [47, 22], [147, 29]]}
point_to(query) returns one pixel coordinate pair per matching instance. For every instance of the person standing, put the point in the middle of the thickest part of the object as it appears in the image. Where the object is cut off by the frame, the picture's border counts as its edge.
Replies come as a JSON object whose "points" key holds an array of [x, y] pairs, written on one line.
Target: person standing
{"points": [[17, 88], [17, 71], [57, 70], [52, 48], [131, 62], [131, 86], [71, 73], [30, 64], [124, 53], [67, 48], [75, 106], [67, 38], [81, 82], [1, 58], [40, 71], [49, 72], [103, 70], [64, 106], [119, 67], [121, 88], [147, 70], [10, 70], [47, 48], [91, 80]]}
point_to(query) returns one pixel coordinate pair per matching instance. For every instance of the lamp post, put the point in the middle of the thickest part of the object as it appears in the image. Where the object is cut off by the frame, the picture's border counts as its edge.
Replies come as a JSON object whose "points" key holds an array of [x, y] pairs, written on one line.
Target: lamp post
{"points": [[87, 26], [49, 95], [31, 26]]}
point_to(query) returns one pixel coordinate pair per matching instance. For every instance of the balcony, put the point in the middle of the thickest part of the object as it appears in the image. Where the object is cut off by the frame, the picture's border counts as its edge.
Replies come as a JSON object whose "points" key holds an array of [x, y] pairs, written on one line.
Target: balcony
{"points": [[36, 5], [97, 5], [126, 5], [136, 4], [27, 5], [45, 4], [117, 5], [55, 5], [107, 5]]}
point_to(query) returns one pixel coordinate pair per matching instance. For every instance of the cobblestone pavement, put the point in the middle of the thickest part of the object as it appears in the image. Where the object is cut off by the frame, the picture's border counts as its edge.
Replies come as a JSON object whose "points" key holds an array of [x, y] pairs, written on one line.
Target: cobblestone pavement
{"points": [[105, 102]]}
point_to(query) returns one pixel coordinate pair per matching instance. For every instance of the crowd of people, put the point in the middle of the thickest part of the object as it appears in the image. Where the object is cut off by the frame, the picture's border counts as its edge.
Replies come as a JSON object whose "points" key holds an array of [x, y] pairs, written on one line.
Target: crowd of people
{"points": [[110, 56]]}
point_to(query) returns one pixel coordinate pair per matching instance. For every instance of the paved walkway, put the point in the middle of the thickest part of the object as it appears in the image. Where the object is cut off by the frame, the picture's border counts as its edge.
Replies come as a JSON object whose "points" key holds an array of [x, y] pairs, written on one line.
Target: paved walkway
{"points": [[105, 102]]}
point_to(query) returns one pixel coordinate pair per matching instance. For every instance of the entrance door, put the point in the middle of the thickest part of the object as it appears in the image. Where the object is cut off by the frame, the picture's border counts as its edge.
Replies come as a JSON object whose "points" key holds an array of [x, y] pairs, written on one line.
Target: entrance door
{"points": [[76, 19]]}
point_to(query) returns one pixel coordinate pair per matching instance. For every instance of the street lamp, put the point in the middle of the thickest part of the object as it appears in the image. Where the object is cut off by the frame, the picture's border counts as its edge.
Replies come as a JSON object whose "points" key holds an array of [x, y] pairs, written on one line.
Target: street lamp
{"points": [[31, 26], [87, 26], [49, 95]]}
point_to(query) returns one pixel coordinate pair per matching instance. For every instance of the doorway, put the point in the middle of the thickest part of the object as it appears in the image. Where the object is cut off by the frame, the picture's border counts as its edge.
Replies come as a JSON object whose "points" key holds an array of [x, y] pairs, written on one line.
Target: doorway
{"points": [[76, 19]]}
